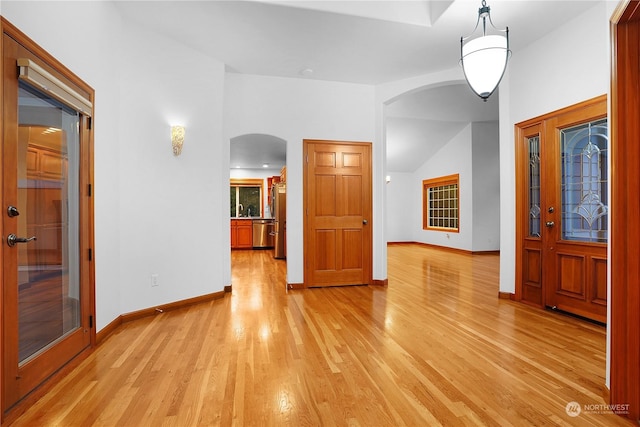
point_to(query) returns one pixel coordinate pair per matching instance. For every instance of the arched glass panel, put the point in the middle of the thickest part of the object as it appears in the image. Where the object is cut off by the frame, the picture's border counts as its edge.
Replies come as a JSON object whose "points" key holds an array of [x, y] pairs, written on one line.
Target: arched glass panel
{"points": [[585, 198]]}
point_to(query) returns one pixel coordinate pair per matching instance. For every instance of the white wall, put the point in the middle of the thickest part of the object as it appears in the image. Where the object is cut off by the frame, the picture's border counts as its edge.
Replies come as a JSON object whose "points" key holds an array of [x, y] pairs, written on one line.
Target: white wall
{"points": [[485, 151], [400, 207], [455, 157], [297, 109], [154, 213], [473, 153], [567, 66], [171, 216]]}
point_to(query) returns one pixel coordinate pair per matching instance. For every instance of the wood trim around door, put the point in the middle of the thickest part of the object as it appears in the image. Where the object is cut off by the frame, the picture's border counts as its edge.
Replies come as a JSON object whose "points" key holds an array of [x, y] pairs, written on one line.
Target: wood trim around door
{"points": [[625, 205]]}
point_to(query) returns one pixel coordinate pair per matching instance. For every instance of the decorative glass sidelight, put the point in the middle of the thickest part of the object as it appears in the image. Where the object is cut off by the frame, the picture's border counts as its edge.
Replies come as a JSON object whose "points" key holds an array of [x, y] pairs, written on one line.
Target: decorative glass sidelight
{"points": [[534, 186], [585, 197]]}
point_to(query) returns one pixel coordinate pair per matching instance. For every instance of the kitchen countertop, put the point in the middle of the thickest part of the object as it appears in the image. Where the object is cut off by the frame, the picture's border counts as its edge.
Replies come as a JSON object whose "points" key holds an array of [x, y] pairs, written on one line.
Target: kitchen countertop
{"points": [[251, 217]]}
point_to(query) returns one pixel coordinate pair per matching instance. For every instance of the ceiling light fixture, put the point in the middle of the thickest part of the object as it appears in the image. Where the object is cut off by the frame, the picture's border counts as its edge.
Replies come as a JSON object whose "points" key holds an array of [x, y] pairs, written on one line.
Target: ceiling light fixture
{"points": [[306, 72], [484, 59]]}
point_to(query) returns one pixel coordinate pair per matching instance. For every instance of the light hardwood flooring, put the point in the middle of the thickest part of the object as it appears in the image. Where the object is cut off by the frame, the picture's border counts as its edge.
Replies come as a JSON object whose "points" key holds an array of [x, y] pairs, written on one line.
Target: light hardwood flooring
{"points": [[436, 347]]}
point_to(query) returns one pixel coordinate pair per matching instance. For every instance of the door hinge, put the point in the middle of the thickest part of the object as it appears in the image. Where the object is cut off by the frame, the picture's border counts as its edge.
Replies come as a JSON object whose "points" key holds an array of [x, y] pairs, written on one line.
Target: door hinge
{"points": [[90, 254], [90, 321], [89, 190]]}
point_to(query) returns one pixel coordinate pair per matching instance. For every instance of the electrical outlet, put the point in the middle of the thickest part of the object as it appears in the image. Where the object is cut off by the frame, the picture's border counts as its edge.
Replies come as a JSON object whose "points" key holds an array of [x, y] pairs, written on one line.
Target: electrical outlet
{"points": [[154, 280]]}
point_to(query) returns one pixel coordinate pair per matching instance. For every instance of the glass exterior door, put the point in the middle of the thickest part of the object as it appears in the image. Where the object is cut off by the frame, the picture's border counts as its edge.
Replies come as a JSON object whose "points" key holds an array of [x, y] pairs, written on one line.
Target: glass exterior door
{"points": [[47, 223]]}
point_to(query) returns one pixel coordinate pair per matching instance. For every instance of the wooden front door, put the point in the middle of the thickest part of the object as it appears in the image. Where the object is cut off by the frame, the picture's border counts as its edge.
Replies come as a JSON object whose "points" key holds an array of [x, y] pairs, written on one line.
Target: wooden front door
{"points": [[562, 210], [47, 274], [337, 207]]}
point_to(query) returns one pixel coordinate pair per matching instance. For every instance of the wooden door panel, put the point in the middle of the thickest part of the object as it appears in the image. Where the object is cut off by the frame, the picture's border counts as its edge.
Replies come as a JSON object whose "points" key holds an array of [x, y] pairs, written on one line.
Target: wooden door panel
{"points": [[581, 283], [325, 159], [532, 276], [345, 222], [571, 276], [599, 281], [352, 249], [352, 195], [352, 160], [325, 248], [326, 195], [532, 266]]}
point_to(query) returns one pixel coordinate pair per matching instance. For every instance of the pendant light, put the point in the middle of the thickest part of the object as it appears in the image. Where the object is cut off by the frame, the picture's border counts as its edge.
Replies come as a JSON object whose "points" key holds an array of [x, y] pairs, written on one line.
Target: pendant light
{"points": [[484, 58]]}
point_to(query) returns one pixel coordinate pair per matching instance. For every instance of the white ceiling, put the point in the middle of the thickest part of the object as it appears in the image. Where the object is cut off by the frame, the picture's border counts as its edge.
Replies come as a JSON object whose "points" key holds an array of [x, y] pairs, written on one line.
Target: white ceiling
{"points": [[358, 41], [416, 130], [254, 151]]}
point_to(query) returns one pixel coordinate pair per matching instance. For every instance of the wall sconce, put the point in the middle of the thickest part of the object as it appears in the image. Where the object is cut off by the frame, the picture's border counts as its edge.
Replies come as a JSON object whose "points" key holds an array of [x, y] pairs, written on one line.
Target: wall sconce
{"points": [[177, 139], [484, 59]]}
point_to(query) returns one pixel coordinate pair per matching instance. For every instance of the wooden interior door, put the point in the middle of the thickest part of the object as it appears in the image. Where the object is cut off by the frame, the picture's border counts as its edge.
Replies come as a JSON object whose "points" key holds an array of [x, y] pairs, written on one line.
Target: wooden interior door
{"points": [[337, 206], [47, 225], [562, 210]]}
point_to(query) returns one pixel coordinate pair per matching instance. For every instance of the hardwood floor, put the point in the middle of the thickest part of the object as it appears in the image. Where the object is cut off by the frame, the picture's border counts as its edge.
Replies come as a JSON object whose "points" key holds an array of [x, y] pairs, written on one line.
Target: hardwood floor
{"points": [[437, 347]]}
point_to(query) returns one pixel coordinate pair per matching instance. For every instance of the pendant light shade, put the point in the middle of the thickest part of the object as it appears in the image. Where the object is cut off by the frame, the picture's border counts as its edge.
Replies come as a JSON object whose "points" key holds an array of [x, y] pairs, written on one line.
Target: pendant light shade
{"points": [[484, 58]]}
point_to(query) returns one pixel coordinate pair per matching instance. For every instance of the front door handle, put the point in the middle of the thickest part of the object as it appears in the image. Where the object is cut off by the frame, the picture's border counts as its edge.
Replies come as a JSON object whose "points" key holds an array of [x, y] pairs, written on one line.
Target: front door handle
{"points": [[550, 224], [12, 239]]}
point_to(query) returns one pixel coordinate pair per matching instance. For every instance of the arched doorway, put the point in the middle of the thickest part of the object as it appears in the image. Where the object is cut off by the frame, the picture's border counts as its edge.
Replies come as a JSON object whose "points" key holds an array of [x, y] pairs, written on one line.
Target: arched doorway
{"points": [[257, 174]]}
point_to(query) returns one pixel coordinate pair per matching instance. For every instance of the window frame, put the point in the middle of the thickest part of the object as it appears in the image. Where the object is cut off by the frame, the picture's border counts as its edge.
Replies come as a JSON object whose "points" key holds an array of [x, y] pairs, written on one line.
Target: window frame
{"points": [[441, 181], [248, 182]]}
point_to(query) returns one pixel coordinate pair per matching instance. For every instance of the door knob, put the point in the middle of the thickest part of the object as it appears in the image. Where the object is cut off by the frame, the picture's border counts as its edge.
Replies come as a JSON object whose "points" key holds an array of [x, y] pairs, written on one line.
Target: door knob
{"points": [[365, 222], [12, 239], [12, 211], [550, 224]]}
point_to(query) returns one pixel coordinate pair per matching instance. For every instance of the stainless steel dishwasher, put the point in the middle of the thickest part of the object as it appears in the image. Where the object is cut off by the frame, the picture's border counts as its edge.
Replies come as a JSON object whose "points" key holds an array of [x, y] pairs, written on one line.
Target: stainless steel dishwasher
{"points": [[262, 233]]}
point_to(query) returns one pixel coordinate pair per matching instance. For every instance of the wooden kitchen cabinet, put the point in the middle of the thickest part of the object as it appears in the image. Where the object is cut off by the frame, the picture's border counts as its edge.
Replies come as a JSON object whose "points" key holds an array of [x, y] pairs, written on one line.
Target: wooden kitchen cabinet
{"points": [[241, 234]]}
